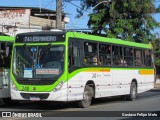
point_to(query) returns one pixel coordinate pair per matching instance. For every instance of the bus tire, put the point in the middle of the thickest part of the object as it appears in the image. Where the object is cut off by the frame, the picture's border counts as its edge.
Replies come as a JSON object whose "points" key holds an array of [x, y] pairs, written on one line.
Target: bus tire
{"points": [[133, 92], [87, 97]]}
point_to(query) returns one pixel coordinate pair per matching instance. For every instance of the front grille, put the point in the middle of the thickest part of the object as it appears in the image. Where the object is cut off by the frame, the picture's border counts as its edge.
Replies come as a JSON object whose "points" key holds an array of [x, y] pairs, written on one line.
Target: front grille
{"points": [[41, 96]]}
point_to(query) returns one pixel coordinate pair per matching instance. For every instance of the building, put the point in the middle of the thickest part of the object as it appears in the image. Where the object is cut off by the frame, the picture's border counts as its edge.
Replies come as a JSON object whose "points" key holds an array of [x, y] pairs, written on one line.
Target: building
{"points": [[14, 20]]}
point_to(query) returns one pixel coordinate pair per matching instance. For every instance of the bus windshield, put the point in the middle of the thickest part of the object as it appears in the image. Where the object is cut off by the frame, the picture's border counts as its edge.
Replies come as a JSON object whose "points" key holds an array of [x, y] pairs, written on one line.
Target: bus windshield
{"points": [[38, 61]]}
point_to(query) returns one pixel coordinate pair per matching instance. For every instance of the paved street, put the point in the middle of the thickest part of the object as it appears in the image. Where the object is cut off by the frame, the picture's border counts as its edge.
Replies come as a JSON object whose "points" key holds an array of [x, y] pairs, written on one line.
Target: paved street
{"points": [[106, 107]]}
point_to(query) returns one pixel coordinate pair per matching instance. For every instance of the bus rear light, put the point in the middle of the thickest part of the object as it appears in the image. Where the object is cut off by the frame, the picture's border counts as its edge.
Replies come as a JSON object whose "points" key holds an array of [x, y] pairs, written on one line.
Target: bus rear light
{"points": [[13, 86], [59, 86]]}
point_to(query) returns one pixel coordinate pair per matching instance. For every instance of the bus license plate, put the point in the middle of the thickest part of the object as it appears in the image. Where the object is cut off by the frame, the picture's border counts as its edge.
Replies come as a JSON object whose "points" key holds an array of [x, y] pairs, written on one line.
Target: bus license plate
{"points": [[34, 98]]}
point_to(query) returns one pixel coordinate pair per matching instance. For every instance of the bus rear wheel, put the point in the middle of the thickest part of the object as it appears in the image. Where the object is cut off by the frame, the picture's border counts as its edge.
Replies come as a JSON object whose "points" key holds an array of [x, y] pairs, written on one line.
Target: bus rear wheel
{"points": [[87, 97], [133, 92]]}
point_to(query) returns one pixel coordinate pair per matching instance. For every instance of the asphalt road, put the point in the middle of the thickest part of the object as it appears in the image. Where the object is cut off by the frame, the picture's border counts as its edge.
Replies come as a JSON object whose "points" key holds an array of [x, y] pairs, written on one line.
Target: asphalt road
{"points": [[147, 103]]}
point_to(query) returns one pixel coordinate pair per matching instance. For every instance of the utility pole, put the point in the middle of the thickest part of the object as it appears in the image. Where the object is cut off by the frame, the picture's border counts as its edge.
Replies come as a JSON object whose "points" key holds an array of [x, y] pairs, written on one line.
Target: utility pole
{"points": [[58, 14]]}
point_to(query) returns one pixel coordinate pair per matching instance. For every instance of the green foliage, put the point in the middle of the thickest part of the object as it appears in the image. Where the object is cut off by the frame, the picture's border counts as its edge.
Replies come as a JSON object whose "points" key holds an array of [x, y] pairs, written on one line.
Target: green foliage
{"points": [[127, 19], [156, 46]]}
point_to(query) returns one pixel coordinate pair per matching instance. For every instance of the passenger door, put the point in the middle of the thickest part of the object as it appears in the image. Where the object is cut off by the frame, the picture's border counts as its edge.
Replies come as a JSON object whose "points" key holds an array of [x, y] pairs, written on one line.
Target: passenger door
{"points": [[75, 88]]}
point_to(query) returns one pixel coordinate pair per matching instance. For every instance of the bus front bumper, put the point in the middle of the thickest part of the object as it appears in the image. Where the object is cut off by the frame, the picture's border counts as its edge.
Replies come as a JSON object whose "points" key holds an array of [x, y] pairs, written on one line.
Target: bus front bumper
{"points": [[60, 95]]}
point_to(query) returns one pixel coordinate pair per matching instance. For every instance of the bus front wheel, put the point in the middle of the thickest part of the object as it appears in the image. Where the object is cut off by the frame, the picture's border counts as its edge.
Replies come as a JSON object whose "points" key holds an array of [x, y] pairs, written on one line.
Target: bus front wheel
{"points": [[87, 97], [133, 92]]}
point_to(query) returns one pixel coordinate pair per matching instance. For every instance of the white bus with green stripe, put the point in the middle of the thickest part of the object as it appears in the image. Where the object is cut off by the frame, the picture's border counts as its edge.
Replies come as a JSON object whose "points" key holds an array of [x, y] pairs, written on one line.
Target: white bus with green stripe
{"points": [[6, 43], [71, 66]]}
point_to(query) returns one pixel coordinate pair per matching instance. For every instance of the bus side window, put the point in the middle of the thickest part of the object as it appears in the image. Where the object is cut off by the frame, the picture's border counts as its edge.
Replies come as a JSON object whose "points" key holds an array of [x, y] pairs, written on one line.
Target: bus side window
{"points": [[3, 46], [91, 55], [104, 54], [5, 52], [2, 54], [128, 56], [138, 57], [109, 47], [118, 59], [147, 58], [2, 49]]}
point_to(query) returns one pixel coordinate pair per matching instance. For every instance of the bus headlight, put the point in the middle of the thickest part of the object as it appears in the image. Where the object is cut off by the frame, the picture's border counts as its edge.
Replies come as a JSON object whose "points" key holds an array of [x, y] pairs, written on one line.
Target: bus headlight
{"points": [[59, 86], [13, 86]]}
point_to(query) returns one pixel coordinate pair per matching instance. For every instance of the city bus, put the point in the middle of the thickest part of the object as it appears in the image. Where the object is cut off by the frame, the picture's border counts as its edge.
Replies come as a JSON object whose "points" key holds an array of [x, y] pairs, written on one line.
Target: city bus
{"points": [[73, 66], [6, 43]]}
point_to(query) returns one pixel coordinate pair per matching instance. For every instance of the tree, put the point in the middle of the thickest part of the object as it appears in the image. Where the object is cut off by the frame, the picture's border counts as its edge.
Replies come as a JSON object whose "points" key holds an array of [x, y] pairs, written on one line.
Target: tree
{"points": [[156, 46], [127, 19], [157, 51]]}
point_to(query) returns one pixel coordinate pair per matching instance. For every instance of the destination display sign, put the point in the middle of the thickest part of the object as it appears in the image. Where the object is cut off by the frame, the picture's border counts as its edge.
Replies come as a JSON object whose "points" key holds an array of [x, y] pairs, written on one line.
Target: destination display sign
{"points": [[28, 38], [39, 38]]}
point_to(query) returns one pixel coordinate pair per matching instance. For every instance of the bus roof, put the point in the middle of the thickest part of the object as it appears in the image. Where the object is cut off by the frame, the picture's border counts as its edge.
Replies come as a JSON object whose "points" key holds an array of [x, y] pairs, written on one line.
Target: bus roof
{"points": [[7, 38], [82, 36], [108, 40]]}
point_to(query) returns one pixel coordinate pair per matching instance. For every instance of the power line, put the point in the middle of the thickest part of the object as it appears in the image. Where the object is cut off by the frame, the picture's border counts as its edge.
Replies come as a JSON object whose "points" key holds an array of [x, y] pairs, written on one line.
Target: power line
{"points": [[68, 11], [75, 5], [80, 26], [49, 3]]}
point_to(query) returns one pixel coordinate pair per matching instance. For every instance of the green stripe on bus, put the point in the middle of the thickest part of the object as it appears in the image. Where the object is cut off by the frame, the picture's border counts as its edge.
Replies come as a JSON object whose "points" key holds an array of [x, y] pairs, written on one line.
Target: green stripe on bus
{"points": [[84, 69]]}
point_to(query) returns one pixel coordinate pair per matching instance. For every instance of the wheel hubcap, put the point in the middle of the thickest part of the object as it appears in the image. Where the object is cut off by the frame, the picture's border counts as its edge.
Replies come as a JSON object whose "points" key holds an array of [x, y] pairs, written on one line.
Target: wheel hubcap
{"points": [[86, 96], [134, 92]]}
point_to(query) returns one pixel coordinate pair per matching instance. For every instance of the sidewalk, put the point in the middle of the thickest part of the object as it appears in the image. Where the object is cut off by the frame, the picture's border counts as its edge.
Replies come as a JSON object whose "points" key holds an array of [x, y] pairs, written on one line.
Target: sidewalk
{"points": [[157, 84]]}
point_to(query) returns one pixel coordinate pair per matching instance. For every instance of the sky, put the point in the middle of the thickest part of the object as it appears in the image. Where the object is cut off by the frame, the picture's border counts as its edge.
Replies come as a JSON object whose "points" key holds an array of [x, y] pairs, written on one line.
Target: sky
{"points": [[69, 8]]}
